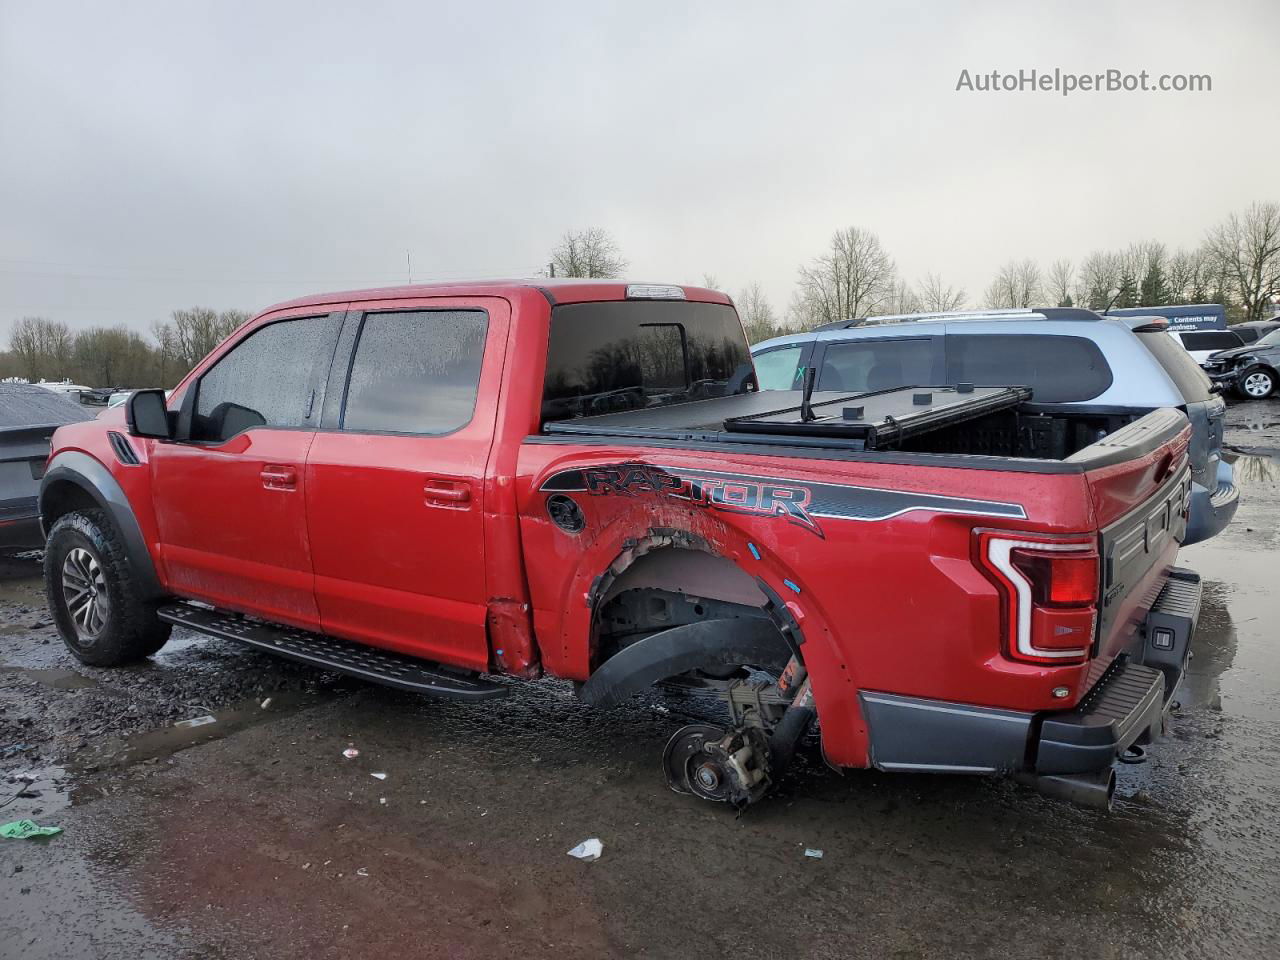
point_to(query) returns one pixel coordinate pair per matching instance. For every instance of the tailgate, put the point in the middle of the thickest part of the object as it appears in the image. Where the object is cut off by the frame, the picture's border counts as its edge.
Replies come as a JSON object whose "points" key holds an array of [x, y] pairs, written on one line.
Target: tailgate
{"points": [[1140, 482]]}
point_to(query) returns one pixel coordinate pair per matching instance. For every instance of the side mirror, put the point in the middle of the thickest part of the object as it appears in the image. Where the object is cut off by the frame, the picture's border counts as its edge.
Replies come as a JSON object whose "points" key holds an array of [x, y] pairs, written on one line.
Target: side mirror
{"points": [[147, 416]]}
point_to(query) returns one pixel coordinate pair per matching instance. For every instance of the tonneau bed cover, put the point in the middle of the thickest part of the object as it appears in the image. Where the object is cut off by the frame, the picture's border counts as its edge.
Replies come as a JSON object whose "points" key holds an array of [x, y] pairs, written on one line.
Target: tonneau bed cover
{"points": [[870, 421]]}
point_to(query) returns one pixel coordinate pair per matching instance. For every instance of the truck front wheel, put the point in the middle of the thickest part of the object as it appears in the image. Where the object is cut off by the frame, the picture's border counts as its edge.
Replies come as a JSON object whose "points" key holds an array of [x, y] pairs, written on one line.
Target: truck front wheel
{"points": [[91, 593]]}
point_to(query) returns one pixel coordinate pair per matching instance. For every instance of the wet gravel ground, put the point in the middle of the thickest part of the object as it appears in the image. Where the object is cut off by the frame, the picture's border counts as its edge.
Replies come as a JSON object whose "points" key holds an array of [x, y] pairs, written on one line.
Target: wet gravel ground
{"points": [[253, 836]]}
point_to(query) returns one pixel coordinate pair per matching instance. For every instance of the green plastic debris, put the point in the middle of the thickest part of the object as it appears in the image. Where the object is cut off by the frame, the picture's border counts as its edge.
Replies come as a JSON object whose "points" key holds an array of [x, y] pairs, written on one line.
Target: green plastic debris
{"points": [[21, 829]]}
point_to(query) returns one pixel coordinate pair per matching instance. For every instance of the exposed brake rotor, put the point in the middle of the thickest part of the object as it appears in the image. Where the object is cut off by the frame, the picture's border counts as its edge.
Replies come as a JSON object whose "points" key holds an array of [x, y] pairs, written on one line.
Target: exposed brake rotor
{"points": [[715, 764]]}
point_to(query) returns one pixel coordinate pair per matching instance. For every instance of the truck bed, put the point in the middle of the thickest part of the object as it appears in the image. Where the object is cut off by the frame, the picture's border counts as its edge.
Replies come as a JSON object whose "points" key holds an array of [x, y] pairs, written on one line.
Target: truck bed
{"points": [[974, 424]]}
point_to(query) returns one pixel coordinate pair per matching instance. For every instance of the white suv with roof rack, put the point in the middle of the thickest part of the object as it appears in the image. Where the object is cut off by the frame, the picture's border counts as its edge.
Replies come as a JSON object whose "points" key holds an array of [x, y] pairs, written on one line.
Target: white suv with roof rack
{"points": [[1072, 359]]}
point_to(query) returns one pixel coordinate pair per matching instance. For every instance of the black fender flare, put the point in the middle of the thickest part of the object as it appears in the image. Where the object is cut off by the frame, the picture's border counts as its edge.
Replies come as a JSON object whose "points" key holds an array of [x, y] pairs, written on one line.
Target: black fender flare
{"points": [[83, 471], [708, 643]]}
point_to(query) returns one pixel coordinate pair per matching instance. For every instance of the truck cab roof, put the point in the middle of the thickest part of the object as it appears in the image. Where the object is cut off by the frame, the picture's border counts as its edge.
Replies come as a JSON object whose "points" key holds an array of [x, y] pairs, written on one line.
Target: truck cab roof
{"points": [[555, 290]]}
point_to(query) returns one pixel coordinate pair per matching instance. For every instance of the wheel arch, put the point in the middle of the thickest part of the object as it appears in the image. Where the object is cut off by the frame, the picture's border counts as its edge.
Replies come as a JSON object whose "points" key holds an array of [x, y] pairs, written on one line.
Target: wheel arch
{"points": [[77, 481], [729, 568]]}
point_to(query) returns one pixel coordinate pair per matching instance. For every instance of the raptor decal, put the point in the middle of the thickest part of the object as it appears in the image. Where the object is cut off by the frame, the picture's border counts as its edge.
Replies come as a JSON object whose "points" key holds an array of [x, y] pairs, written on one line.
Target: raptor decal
{"points": [[792, 501]]}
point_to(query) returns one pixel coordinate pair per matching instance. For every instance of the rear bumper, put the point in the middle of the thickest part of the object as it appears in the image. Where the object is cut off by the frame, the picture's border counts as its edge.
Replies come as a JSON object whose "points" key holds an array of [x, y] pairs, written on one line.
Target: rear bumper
{"points": [[20, 524], [1212, 510], [1126, 705]]}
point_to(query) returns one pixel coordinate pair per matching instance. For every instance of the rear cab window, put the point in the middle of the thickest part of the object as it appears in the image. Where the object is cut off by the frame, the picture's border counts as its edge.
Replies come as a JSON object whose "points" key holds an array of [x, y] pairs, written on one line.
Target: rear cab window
{"points": [[1192, 382], [1057, 368], [605, 357]]}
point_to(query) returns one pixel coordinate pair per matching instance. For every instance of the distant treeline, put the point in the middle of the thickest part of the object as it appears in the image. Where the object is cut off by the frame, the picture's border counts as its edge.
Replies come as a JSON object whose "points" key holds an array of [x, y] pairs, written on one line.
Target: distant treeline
{"points": [[1237, 264], [40, 348]]}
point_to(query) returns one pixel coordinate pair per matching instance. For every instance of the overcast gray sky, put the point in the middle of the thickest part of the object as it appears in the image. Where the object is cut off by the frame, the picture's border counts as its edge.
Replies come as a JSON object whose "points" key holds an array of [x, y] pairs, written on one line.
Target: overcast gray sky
{"points": [[168, 154]]}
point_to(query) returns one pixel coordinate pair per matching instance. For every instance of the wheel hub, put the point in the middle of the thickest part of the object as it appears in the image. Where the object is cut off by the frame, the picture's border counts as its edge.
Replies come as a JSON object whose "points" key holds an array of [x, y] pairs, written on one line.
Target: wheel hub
{"points": [[1257, 385], [715, 764], [84, 590]]}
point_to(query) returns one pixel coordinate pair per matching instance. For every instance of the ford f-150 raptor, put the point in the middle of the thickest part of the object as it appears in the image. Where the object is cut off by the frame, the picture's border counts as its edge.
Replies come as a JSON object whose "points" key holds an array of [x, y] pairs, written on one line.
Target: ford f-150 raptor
{"points": [[430, 486]]}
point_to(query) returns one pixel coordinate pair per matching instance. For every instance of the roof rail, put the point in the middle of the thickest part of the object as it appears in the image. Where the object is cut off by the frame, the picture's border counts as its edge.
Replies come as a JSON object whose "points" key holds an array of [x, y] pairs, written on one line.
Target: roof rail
{"points": [[1007, 313]]}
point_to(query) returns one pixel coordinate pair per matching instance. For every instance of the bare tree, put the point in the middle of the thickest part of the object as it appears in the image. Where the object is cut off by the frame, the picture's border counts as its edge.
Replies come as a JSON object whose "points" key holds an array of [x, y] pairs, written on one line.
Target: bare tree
{"points": [[196, 331], [1018, 284], [113, 357], [758, 317], [1185, 276], [41, 347], [852, 280], [167, 359], [1099, 280], [937, 297], [901, 299], [587, 253], [1060, 282], [1246, 247]]}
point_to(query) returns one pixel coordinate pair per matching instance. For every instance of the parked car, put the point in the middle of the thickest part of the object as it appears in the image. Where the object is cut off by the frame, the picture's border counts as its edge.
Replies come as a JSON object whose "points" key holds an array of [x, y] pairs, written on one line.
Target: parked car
{"points": [[1201, 343], [28, 418], [1073, 360], [1249, 371], [427, 484], [1251, 331]]}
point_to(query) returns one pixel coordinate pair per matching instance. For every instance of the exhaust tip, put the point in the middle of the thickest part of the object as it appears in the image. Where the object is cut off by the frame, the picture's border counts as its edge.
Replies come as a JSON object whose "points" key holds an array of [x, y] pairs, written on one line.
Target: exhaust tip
{"points": [[1094, 790]]}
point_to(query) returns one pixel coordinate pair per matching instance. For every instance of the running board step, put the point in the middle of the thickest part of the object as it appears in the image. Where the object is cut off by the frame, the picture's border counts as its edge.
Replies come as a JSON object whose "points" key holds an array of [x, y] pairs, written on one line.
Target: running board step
{"points": [[354, 659]]}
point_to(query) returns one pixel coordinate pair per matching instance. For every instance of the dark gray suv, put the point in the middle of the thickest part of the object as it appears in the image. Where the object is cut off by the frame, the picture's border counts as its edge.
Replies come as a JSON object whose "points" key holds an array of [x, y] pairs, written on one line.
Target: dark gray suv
{"points": [[1251, 371]]}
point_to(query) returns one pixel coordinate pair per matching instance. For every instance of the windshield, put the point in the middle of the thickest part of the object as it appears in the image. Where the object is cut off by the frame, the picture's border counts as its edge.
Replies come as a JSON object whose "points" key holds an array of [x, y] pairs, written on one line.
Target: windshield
{"points": [[632, 354], [1272, 339]]}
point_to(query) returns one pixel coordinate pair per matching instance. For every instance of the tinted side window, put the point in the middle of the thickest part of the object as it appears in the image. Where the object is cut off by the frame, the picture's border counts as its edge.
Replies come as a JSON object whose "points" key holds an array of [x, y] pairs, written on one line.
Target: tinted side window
{"points": [[416, 372], [1247, 334], [861, 366], [1191, 381], [776, 369], [1057, 369], [266, 380], [1209, 340]]}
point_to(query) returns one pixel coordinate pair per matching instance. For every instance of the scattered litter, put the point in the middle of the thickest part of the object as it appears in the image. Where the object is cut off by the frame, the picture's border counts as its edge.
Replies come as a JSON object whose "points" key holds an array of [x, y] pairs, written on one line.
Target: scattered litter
{"points": [[588, 850], [378, 776], [306, 866], [362, 872], [484, 813], [351, 753], [197, 721], [812, 853], [21, 829], [266, 703], [382, 799]]}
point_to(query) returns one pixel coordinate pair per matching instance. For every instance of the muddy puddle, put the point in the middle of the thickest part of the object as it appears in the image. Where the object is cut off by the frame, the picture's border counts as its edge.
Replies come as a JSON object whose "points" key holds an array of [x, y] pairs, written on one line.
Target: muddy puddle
{"points": [[162, 742]]}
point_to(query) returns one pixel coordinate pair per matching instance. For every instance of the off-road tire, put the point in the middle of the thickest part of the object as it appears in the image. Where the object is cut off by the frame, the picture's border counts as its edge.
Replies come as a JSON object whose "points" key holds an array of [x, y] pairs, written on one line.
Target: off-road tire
{"points": [[131, 630], [1257, 372]]}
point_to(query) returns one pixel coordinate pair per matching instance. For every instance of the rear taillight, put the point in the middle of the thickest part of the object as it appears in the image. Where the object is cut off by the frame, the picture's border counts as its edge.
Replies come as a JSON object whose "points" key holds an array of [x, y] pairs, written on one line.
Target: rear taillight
{"points": [[1065, 579], [1049, 586]]}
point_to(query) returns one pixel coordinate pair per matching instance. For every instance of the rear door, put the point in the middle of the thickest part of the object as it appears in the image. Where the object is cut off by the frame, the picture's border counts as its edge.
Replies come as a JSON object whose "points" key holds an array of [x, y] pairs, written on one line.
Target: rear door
{"points": [[229, 500], [395, 479]]}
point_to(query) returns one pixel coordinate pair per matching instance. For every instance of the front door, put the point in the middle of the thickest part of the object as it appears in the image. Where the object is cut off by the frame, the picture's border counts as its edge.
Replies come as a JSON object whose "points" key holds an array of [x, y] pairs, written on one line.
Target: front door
{"points": [[230, 504], [395, 479]]}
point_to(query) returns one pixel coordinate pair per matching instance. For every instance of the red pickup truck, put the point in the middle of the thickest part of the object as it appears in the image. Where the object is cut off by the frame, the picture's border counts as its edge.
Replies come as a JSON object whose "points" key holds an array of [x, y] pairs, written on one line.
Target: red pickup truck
{"points": [[433, 486]]}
